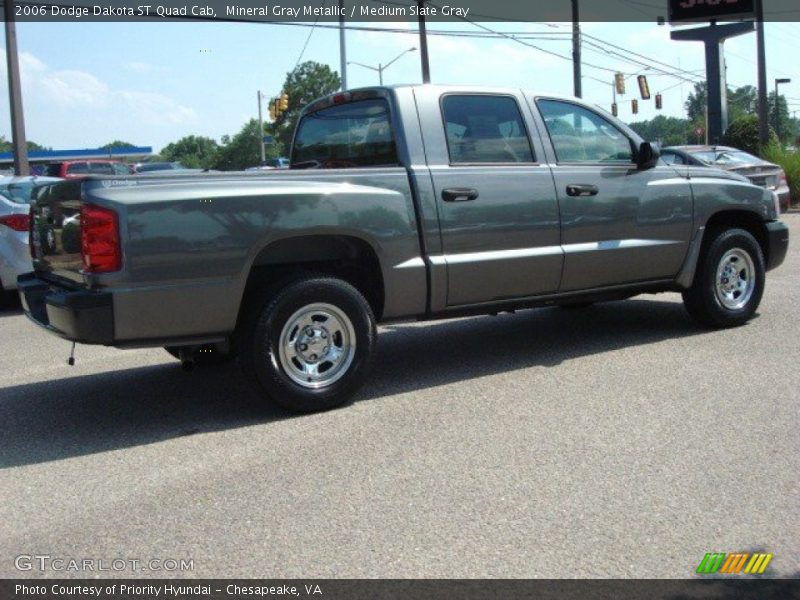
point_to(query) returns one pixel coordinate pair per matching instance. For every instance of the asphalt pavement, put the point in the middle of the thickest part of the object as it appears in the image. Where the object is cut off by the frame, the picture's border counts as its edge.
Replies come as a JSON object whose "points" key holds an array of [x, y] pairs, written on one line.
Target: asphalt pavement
{"points": [[621, 440]]}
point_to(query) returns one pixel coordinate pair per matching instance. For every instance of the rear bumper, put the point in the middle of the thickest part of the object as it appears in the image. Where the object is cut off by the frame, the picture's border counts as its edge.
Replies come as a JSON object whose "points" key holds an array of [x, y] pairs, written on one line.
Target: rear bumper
{"points": [[777, 243], [79, 316]]}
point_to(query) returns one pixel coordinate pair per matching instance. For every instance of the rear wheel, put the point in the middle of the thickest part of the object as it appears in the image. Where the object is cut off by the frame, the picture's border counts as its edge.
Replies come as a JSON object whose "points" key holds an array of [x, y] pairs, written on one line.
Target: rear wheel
{"points": [[308, 346], [729, 281]]}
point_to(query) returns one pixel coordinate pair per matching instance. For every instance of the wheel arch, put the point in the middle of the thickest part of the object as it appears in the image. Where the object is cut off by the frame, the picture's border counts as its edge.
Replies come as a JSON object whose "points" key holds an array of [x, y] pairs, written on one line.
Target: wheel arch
{"points": [[745, 219], [348, 257]]}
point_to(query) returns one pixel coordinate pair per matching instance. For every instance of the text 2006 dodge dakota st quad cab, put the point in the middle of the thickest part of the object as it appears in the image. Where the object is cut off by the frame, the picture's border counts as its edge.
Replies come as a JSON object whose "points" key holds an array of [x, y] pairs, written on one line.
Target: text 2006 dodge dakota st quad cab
{"points": [[409, 202]]}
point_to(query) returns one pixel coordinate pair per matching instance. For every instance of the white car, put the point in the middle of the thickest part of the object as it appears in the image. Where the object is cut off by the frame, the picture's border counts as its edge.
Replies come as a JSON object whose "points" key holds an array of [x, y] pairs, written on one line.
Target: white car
{"points": [[15, 257]]}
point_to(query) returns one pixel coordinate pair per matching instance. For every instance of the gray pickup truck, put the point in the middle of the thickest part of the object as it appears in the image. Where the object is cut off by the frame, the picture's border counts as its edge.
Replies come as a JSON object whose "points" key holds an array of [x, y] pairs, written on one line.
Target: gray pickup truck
{"points": [[408, 202]]}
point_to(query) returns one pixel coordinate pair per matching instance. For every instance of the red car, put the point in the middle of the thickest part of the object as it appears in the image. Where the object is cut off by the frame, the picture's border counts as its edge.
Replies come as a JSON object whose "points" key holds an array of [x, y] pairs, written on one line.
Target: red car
{"points": [[69, 169]]}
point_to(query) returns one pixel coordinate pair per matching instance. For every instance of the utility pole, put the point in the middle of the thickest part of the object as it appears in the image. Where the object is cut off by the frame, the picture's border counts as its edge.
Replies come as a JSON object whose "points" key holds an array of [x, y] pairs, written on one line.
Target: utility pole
{"points": [[423, 43], [261, 129], [21, 165], [763, 117], [342, 47], [576, 51]]}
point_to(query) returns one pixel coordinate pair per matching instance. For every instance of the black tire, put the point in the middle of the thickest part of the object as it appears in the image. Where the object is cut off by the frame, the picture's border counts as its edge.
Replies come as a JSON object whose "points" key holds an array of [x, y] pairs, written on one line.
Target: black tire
{"points": [[204, 356], [277, 375], [703, 301]]}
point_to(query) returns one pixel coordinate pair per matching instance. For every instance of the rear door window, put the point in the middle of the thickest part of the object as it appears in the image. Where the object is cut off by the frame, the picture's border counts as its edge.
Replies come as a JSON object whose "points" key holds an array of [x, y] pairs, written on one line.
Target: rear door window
{"points": [[485, 129]]}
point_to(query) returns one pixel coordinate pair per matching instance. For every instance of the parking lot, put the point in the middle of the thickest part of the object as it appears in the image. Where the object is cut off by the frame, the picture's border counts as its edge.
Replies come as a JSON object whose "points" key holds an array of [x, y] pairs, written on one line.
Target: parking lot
{"points": [[621, 440]]}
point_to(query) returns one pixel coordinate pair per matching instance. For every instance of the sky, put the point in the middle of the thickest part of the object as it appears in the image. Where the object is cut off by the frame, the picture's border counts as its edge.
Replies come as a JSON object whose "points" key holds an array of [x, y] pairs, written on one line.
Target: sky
{"points": [[86, 84]]}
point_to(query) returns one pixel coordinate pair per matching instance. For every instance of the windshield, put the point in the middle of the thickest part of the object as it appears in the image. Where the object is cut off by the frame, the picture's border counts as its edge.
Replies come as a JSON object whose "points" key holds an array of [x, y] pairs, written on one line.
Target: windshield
{"points": [[19, 193], [357, 134]]}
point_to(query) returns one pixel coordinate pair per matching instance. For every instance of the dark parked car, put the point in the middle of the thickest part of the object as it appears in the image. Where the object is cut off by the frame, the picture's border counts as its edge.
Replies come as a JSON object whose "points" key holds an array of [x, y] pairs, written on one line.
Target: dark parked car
{"points": [[757, 170]]}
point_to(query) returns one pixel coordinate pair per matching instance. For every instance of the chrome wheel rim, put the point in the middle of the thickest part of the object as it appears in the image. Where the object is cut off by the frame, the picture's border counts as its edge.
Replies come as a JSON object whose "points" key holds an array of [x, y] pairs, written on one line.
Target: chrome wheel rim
{"points": [[736, 279], [317, 345]]}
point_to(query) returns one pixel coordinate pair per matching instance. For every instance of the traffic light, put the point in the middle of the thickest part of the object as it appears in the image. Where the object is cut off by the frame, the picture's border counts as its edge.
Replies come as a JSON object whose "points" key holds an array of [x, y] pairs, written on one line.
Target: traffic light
{"points": [[614, 110], [659, 103], [273, 113], [284, 101], [619, 82], [644, 89], [635, 106]]}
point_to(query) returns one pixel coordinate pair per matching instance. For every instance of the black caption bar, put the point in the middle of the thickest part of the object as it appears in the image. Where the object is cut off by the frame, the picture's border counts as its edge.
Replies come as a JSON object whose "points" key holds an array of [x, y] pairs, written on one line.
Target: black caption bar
{"points": [[397, 589], [400, 10]]}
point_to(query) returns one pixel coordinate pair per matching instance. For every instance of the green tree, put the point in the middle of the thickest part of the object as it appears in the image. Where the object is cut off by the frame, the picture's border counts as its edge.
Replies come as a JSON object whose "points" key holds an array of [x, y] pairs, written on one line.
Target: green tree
{"points": [[670, 131], [304, 84], [743, 134], [695, 104], [242, 150], [116, 144], [741, 102], [8, 146], [193, 151], [779, 119]]}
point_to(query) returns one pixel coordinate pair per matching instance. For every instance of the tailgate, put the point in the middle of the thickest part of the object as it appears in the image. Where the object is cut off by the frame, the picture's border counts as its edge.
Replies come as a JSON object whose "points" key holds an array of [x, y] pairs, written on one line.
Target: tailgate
{"points": [[56, 230]]}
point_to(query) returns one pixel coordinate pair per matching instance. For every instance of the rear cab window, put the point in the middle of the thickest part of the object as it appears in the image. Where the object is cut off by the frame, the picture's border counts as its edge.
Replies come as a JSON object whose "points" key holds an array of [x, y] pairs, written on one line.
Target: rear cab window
{"points": [[356, 134], [485, 129]]}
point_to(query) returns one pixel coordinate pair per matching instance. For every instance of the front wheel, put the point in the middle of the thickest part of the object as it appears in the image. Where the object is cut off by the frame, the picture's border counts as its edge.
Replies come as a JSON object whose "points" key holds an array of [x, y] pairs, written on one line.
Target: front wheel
{"points": [[729, 281], [308, 347]]}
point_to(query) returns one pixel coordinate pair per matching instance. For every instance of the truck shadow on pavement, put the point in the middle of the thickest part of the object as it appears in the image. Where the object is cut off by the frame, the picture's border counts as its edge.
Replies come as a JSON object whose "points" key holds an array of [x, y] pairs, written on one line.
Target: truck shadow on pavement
{"points": [[83, 415]]}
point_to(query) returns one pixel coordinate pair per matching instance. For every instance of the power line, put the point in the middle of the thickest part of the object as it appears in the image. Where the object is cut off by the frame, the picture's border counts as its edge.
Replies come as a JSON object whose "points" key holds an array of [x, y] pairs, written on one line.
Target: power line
{"points": [[525, 43], [308, 39]]}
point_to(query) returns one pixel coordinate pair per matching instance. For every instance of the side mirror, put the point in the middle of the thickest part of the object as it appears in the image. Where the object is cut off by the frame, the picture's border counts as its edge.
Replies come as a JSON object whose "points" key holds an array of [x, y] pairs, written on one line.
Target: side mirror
{"points": [[646, 156]]}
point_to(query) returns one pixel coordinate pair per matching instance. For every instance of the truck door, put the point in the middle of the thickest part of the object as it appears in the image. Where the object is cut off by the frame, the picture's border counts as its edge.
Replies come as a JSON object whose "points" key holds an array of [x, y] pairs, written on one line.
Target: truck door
{"points": [[498, 211], [619, 224]]}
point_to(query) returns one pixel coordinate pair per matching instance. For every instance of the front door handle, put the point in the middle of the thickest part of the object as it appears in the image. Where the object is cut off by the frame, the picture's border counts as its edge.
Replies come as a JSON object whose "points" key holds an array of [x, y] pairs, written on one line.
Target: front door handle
{"points": [[581, 189], [459, 194]]}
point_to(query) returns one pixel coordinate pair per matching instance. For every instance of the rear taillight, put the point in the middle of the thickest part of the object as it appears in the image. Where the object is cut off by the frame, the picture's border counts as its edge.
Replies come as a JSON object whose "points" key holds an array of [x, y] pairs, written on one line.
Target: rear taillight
{"points": [[782, 181], [100, 249], [16, 222]]}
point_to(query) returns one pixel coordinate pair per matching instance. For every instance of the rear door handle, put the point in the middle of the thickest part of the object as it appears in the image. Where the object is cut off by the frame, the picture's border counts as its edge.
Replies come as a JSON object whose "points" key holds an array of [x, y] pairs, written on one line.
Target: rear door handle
{"points": [[581, 189], [459, 194]]}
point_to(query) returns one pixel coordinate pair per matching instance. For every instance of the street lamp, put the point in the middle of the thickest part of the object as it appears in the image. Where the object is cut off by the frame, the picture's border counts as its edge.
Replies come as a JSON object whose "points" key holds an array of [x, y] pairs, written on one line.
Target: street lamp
{"points": [[381, 68], [777, 108]]}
